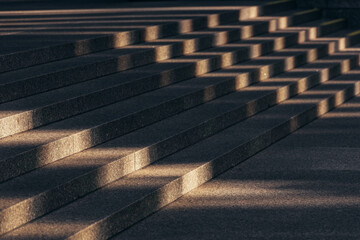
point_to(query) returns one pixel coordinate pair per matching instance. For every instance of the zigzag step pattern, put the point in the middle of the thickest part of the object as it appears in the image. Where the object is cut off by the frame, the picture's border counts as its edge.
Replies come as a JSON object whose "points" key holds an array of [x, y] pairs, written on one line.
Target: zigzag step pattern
{"points": [[94, 141]]}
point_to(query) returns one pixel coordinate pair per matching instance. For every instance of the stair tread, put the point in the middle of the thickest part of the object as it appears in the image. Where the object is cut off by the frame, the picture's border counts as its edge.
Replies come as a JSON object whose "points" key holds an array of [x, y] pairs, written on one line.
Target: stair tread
{"points": [[311, 173], [127, 20], [37, 139], [153, 120], [176, 63], [13, 107], [70, 44], [99, 116], [90, 159], [94, 57], [12, 80], [120, 194]]}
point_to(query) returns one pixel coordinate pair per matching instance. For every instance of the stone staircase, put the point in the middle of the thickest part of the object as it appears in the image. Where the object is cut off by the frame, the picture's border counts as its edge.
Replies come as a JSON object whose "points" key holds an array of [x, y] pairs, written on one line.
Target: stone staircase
{"points": [[108, 115]]}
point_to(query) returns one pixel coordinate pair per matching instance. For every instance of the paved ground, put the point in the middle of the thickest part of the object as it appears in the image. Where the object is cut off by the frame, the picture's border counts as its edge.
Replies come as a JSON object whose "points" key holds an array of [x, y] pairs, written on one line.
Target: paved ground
{"points": [[307, 186]]}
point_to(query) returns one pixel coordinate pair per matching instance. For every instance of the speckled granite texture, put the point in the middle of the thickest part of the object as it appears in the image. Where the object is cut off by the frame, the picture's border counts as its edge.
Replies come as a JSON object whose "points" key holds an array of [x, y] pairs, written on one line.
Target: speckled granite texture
{"points": [[93, 141]]}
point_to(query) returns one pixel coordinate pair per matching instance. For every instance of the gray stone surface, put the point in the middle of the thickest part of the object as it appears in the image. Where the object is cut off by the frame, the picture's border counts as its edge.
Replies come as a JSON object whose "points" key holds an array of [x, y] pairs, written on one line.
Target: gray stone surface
{"points": [[306, 186], [87, 66], [58, 74], [93, 127], [78, 164], [222, 121], [40, 32], [95, 65], [167, 137], [129, 199]]}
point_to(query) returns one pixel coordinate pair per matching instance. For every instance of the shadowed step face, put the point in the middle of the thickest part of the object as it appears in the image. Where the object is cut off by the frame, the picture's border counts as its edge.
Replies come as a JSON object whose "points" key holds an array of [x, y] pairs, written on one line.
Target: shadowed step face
{"points": [[132, 106], [304, 186], [70, 29]]}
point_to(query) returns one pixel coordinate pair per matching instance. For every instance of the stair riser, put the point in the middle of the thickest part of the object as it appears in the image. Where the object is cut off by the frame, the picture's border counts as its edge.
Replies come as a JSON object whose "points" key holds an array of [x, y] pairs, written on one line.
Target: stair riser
{"points": [[87, 183], [86, 46], [53, 53], [86, 72], [38, 117], [88, 138], [168, 193], [103, 181]]}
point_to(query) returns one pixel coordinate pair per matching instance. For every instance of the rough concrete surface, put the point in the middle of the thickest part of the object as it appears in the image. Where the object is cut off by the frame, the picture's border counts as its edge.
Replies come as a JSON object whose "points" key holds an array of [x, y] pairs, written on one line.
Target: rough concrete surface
{"points": [[49, 31], [306, 186], [173, 134], [157, 98]]}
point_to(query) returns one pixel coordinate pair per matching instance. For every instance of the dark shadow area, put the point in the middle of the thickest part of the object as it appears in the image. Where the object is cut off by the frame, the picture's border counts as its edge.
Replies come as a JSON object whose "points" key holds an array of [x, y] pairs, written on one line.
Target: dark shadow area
{"points": [[294, 191], [92, 182], [50, 35], [130, 121], [124, 188], [81, 4], [98, 156]]}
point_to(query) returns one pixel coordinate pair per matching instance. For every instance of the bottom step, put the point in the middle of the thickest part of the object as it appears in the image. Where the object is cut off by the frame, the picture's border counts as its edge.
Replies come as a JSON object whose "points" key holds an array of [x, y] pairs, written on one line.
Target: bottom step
{"points": [[306, 186]]}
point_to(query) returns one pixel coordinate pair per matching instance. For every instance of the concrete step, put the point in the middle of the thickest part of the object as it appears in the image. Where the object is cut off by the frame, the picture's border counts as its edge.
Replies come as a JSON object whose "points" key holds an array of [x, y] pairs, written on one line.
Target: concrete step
{"points": [[41, 78], [306, 186], [35, 111], [93, 144], [114, 159], [41, 146], [125, 201], [25, 45]]}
